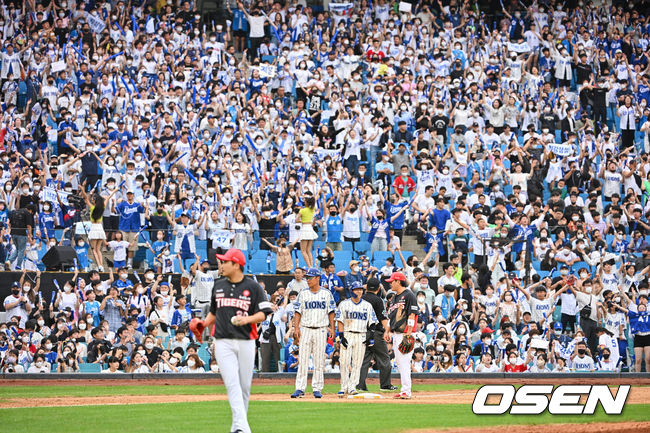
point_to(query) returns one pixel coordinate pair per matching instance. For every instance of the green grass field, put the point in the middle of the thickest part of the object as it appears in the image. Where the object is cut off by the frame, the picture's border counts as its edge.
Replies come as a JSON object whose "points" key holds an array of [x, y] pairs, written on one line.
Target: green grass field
{"points": [[273, 417]]}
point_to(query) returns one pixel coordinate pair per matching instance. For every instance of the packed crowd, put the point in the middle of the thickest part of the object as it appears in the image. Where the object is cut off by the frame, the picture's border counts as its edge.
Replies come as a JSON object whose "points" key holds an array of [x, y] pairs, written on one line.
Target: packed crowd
{"points": [[510, 139]]}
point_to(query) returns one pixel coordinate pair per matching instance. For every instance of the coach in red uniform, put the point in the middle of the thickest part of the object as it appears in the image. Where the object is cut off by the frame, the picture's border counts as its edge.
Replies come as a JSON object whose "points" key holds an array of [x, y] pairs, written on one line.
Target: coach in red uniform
{"points": [[238, 303]]}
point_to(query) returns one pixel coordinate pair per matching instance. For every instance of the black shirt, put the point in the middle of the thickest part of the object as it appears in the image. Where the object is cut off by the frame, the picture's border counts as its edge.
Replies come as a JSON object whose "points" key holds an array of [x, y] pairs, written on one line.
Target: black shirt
{"points": [[401, 306], [244, 298], [377, 305], [20, 219]]}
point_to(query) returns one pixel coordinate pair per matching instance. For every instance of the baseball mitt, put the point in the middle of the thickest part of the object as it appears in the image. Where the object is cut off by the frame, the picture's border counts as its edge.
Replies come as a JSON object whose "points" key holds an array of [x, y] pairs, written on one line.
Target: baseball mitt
{"points": [[197, 326], [407, 344]]}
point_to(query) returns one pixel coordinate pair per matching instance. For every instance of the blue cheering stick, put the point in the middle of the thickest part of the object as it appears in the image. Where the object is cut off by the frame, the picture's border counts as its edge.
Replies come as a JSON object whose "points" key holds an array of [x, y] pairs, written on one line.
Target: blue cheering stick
{"points": [[453, 328], [191, 176], [115, 55], [54, 292], [178, 159], [124, 82]]}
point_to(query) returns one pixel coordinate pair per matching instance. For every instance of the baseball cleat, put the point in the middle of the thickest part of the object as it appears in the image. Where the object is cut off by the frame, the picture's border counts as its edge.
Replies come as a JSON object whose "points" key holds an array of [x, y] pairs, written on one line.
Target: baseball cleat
{"points": [[390, 388], [341, 394], [317, 394], [402, 395], [298, 394], [362, 389], [354, 392]]}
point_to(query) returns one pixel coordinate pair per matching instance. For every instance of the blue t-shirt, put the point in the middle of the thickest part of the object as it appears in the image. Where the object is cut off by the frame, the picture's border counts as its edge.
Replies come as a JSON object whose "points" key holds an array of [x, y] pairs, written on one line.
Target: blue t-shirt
{"points": [[82, 256], [334, 228], [439, 218], [129, 216], [392, 210], [92, 308]]}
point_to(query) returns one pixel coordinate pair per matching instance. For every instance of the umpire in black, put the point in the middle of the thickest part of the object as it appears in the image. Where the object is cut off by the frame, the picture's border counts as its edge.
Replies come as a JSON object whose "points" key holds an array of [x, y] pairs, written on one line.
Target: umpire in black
{"points": [[378, 350]]}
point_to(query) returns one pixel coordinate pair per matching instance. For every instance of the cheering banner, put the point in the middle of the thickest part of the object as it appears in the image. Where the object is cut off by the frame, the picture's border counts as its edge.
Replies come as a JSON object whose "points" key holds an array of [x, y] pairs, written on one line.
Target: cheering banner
{"points": [[97, 25], [341, 11], [561, 149]]}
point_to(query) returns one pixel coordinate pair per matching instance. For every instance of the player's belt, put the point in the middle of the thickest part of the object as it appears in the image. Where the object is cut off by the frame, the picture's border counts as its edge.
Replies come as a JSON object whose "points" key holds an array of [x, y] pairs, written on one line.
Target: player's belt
{"points": [[314, 327], [355, 332], [202, 302]]}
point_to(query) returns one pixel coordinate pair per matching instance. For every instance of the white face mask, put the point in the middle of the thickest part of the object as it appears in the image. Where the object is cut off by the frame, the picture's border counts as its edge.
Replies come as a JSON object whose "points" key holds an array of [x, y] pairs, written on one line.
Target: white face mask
{"points": [[191, 363], [513, 360], [41, 323], [214, 368], [461, 331], [142, 352], [48, 346], [82, 326], [149, 346]]}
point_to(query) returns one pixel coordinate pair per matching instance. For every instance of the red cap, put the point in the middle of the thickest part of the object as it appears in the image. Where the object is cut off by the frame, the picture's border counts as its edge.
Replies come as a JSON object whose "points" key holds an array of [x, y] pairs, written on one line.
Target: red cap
{"points": [[233, 255], [397, 276], [487, 330]]}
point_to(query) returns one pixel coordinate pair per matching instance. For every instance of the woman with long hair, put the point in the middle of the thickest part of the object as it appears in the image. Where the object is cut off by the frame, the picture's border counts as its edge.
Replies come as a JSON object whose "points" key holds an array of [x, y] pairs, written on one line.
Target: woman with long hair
{"points": [[307, 233], [96, 235]]}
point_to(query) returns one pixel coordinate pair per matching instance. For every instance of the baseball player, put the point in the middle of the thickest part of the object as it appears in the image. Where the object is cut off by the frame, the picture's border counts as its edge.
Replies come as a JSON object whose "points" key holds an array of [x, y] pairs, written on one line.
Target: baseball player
{"points": [[238, 303], [402, 313], [355, 317], [313, 318]]}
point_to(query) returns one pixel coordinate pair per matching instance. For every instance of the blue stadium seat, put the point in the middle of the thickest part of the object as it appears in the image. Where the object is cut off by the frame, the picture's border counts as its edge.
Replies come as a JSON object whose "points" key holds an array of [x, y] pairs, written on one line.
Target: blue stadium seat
{"points": [[90, 368], [204, 355], [343, 255], [381, 256], [362, 248]]}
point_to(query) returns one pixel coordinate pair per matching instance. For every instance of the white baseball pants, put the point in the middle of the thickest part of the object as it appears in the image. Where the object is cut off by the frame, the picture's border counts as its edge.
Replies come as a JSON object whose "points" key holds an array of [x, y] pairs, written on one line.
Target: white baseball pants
{"points": [[403, 361], [312, 342], [236, 359], [351, 360]]}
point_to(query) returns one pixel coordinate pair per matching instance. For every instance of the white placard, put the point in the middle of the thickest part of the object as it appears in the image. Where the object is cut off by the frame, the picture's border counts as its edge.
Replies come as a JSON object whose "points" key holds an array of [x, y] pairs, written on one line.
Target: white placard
{"points": [[405, 7], [58, 66]]}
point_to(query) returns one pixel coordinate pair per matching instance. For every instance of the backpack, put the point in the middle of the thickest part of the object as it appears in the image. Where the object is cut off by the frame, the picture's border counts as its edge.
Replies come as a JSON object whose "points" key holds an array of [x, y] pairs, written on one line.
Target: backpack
{"points": [[585, 313], [17, 219]]}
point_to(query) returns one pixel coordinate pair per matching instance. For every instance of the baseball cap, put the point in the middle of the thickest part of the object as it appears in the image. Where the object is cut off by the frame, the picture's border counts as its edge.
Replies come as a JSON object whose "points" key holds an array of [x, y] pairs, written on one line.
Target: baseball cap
{"points": [[233, 255], [396, 276], [372, 283], [557, 326], [355, 285], [130, 191], [487, 330], [312, 272], [354, 262]]}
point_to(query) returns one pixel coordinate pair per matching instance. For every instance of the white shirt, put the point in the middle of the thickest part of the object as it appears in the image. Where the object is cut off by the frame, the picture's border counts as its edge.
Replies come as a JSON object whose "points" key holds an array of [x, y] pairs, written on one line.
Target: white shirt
{"points": [[314, 308], [356, 317]]}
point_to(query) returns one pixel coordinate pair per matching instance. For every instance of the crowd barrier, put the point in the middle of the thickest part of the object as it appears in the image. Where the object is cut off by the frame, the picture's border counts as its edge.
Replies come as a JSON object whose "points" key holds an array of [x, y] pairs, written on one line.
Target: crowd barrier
{"points": [[478, 377]]}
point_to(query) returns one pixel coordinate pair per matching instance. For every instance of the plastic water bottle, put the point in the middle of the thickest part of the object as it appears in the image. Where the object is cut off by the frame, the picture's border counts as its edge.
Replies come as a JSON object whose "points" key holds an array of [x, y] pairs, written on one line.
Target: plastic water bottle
{"points": [[268, 262]]}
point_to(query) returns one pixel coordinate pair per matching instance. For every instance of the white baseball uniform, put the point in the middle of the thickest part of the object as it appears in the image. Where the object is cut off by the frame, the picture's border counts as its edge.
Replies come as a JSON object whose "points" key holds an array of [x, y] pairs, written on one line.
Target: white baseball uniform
{"points": [[356, 318], [314, 310]]}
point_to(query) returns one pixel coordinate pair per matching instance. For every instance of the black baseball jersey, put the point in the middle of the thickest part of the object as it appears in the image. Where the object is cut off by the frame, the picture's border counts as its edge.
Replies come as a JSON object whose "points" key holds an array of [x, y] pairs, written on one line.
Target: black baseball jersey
{"points": [[401, 306], [244, 298]]}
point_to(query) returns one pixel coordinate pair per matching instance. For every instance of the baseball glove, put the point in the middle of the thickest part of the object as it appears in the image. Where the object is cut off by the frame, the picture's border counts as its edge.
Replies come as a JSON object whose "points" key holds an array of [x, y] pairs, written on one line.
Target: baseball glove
{"points": [[197, 326], [407, 344]]}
